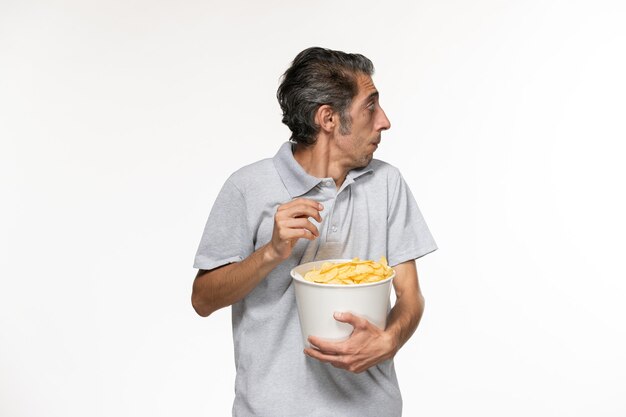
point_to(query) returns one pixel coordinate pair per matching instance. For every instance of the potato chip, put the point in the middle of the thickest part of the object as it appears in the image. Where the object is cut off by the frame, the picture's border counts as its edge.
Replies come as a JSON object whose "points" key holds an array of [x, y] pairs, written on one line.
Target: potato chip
{"points": [[356, 271]]}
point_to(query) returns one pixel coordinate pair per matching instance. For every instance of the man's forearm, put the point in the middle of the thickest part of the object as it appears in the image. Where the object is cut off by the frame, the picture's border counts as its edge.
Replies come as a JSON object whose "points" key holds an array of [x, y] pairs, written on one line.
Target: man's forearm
{"points": [[224, 286], [404, 318], [407, 312]]}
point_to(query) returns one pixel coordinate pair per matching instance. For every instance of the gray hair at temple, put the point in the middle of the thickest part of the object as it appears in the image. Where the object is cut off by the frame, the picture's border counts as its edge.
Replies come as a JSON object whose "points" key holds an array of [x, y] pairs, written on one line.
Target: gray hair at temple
{"points": [[319, 76]]}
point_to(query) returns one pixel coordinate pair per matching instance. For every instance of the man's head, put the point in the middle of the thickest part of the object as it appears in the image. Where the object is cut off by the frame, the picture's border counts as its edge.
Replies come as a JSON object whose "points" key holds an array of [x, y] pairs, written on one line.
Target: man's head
{"points": [[319, 77]]}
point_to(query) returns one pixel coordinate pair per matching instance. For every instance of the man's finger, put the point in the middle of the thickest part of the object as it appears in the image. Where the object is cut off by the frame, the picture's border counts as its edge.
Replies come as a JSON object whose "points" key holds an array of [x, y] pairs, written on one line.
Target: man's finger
{"points": [[299, 211], [326, 346], [336, 361], [346, 317], [301, 201], [301, 233], [301, 224]]}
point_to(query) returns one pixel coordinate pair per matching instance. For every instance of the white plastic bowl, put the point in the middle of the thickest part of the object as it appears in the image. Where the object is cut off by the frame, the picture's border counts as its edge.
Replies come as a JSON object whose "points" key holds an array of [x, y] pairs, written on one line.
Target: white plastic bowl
{"points": [[318, 302]]}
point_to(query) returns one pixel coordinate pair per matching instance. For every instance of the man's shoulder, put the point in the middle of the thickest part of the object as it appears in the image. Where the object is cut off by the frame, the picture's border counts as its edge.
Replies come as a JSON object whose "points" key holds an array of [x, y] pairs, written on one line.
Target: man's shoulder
{"points": [[384, 169], [255, 172], [380, 165]]}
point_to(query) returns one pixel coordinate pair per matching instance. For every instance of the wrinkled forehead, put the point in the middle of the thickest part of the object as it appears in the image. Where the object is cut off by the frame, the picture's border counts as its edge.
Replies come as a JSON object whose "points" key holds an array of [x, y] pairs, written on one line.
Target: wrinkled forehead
{"points": [[367, 89], [366, 85]]}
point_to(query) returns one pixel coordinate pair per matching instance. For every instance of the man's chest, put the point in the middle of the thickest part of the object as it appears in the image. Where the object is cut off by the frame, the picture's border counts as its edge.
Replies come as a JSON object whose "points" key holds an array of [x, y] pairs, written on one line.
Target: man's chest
{"points": [[351, 219]]}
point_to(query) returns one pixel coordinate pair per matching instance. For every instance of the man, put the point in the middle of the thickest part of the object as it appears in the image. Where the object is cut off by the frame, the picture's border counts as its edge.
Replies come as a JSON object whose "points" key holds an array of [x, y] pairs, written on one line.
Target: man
{"points": [[322, 196]]}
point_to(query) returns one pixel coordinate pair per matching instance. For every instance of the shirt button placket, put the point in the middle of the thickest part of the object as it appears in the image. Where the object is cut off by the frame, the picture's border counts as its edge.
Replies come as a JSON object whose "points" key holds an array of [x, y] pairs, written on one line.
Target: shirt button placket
{"points": [[331, 190]]}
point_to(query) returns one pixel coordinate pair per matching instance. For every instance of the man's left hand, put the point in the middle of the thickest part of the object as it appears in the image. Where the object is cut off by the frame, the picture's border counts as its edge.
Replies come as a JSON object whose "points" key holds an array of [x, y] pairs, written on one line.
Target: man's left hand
{"points": [[368, 345]]}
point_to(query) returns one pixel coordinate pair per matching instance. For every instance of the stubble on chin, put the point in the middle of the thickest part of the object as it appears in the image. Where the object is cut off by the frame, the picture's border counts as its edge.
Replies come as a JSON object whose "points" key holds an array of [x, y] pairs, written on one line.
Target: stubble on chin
{"points": [[365, 161]]}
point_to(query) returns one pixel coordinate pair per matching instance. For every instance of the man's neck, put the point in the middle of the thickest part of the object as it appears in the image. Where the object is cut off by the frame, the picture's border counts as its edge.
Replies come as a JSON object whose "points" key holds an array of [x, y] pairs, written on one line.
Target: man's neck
{"points": [[321, 160]]}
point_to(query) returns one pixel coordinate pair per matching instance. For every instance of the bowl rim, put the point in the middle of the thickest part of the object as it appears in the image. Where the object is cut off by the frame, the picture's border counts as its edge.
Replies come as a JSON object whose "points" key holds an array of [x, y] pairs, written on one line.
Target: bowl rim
{"points": [[299, 278]]}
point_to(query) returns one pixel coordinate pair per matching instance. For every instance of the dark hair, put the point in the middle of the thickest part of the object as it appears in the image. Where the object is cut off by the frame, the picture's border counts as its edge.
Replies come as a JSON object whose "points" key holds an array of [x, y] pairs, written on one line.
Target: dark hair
{"points": [[319, 76]]}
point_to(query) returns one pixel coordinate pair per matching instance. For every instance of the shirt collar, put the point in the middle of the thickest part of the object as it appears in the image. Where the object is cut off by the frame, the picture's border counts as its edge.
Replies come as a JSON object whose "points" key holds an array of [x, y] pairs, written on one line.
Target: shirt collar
{"points": [[297, 181]]}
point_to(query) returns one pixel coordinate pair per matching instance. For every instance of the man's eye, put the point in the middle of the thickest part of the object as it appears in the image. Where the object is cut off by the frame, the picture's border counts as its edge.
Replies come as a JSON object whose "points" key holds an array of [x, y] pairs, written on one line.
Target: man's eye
{"points": [[371, 106]]}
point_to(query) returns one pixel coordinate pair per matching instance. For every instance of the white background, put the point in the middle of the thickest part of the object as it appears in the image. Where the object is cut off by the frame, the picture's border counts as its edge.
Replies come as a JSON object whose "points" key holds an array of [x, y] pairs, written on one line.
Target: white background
{"points": [[120, 120]]}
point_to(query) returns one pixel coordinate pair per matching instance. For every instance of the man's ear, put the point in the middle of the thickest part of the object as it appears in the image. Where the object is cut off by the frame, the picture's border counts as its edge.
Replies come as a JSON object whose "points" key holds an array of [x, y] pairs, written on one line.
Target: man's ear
{"points": [[326, 118]]}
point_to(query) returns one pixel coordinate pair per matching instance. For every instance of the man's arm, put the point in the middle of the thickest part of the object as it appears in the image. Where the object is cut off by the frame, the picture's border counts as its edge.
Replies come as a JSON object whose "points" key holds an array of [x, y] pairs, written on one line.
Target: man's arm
{"points": [[369, 345], [223, 286]]}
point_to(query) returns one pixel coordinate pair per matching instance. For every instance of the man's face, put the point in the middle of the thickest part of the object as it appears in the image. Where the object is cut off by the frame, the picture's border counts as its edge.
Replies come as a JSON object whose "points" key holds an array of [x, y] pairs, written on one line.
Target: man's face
{"points": [[362, 137]]}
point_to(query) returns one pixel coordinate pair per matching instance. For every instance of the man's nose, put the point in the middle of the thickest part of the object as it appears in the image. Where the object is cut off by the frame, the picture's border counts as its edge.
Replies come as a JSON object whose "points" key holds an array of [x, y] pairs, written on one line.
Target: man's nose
{"points": [[383, 122]]}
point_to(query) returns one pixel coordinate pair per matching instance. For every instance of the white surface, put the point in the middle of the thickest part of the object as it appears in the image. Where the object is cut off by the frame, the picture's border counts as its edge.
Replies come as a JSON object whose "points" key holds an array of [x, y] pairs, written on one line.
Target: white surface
{"points": [[120, 120], [318, 302]]}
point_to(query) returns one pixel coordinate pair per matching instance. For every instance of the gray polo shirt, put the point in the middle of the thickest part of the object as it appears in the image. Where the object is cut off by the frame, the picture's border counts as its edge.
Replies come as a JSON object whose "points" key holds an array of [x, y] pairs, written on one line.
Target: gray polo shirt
{"points": [[372, 214]]}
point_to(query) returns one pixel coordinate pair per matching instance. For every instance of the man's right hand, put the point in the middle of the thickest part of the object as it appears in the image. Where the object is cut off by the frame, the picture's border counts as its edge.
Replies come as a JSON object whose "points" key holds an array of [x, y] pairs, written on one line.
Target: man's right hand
{"points": [[225, 285], [291, 222]]}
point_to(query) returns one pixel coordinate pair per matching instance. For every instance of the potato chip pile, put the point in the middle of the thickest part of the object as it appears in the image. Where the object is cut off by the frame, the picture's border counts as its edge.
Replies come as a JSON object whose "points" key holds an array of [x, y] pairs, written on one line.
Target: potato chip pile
{"points": [[348, 273]]}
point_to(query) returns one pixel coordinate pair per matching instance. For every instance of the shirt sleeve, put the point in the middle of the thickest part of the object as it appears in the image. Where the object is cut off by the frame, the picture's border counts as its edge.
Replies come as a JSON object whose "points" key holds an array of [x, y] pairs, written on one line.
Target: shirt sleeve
{"points": [[227, 237], [408, 236]]}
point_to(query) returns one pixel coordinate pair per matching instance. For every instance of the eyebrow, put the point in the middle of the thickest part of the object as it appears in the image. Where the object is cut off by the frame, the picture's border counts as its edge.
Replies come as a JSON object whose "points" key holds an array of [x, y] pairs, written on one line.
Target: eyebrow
{"points": [[369, 98]]}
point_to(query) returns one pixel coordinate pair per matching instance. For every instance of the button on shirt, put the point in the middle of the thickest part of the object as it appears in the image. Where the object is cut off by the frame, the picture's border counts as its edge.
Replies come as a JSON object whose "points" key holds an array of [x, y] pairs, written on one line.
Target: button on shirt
{"points": [[372, 214]]}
